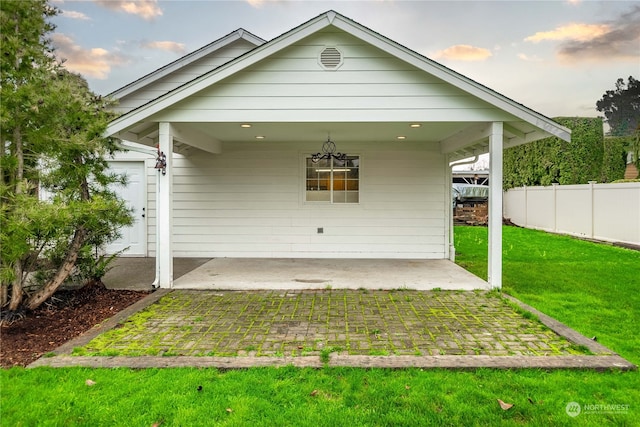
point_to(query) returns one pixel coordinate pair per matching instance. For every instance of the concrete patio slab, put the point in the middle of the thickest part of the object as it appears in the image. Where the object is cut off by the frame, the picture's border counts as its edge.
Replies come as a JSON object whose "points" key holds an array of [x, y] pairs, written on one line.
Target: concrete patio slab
{"points": [[138, 273], [274, 273]]}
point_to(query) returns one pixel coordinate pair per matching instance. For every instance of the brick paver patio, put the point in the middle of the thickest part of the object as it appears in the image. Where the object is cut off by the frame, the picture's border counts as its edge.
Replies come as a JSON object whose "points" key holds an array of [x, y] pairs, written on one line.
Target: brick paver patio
{"points": [[307, 323]]}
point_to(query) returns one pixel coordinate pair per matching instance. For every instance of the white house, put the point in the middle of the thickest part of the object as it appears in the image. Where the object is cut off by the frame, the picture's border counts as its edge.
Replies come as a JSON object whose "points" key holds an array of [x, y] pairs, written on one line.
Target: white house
{"points": [[240, 119]]}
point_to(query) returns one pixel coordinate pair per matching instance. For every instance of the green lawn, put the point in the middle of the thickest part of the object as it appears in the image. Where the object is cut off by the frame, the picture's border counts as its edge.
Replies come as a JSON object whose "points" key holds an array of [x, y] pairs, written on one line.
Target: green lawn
{"points": [[593, 288]]}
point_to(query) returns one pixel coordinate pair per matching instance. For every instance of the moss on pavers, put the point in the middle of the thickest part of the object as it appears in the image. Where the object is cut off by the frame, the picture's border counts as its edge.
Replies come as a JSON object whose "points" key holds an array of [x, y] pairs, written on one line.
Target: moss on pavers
{"points": [[313, 323]]}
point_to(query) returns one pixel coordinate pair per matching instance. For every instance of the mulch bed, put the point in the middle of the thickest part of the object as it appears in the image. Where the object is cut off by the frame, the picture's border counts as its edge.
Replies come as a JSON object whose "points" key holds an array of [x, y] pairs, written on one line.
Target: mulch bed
{"points": [[67, 315]]}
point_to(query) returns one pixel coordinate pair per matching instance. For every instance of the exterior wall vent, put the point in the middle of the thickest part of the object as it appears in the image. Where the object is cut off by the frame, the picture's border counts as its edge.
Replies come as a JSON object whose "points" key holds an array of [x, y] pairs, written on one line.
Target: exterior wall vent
{"points": [[330, 58]]}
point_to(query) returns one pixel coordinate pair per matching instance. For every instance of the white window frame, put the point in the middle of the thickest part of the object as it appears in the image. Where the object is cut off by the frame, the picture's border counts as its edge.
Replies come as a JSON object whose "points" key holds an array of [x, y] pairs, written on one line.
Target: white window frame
{"points": [[305, 158]]}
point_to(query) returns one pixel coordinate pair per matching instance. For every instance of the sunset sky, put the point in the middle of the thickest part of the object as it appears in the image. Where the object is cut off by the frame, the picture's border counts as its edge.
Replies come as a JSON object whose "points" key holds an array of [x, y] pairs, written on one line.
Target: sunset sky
{"points": [[556, 57]]}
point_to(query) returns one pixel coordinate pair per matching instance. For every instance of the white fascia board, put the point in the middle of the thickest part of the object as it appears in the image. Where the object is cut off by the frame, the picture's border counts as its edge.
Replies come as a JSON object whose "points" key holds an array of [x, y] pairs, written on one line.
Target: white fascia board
{"points": [[186, 60], [143, 112], [452, 77], [252, 38]]}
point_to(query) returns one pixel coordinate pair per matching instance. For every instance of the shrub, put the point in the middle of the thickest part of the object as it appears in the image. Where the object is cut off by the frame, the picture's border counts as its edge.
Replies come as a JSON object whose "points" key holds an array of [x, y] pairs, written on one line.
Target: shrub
{"points": [[552, 160]]}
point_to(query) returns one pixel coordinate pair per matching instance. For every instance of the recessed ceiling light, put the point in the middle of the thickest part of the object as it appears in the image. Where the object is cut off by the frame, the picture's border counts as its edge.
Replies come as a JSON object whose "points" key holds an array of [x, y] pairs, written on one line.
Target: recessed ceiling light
{"points": [[245, 125], [259, 137], [415, 125], [401, 137]]}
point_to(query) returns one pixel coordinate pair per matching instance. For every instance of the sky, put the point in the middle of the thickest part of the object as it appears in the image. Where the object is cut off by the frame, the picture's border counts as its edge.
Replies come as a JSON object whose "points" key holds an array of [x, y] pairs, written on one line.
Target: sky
{"points": [[555, 57]]}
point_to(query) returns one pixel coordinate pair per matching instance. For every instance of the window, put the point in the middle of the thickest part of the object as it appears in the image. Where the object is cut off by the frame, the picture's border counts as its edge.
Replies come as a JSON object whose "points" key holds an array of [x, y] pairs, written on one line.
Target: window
{"points": [[333, 181]]}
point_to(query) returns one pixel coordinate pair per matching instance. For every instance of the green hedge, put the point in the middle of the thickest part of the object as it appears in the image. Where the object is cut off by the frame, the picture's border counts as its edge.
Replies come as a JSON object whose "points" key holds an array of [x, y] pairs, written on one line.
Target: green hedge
{"points": [[554, 160], [615, 157]]}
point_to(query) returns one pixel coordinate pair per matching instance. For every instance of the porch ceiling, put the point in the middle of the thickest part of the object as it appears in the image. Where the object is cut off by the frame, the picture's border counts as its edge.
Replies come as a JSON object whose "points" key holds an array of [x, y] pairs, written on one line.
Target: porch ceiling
{"points": [[311, 132], [458, 139]]}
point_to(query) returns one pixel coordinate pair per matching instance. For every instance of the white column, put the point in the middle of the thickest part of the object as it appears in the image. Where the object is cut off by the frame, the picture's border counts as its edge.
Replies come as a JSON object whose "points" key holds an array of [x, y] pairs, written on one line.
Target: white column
{"points": [[164, 210], [495, 206], [450, 250]]}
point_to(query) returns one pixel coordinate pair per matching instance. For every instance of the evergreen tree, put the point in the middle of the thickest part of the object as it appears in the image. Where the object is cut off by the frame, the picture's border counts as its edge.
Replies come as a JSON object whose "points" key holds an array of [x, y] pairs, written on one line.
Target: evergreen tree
{"points": [[51, 129], [621, 107]]}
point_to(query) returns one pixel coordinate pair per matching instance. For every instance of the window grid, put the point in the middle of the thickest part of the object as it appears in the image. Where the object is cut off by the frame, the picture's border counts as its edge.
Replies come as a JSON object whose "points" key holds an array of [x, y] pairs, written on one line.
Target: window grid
{"points": [[333, 181]]}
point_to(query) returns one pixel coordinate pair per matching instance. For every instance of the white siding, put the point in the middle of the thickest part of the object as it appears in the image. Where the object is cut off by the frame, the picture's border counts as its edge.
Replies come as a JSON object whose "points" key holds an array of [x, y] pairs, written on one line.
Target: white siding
{"points": [[248, 202], [183, 75], [370, 85]]}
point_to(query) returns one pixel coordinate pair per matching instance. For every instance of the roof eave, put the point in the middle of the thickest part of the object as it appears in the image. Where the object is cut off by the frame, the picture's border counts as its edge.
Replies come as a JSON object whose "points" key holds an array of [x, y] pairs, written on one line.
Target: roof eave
{"points": [[393, 48], [454, 78], [185, 60], [225, 70]]}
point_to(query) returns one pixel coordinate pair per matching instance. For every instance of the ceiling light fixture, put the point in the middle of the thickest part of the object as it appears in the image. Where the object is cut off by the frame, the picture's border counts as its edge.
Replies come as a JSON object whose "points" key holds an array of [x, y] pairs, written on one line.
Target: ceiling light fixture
{"points": [[401, 137], [245, 125], [259, 136], [415, 125]]}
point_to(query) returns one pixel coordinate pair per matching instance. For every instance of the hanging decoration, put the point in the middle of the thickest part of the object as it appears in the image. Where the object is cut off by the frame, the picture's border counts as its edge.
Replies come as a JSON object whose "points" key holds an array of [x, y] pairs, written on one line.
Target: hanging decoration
{"points": [[328, 151], [161, 162]]}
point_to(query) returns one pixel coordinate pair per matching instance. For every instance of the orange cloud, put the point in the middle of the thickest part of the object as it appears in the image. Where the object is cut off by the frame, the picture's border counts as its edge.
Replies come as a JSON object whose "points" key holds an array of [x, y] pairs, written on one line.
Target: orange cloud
{"points": [[95, 62], [579, 32], [164, 45], [146, 9], [614, 40], [464, 52]]}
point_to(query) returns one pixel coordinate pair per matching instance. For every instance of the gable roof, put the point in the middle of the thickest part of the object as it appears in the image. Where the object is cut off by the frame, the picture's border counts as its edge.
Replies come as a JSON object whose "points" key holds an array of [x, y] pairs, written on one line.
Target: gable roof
{"points": [[239, 34], [542, 126]]}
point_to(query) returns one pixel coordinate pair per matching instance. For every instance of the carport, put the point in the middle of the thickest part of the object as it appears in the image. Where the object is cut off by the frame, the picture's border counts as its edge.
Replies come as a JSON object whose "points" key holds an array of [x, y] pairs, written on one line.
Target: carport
{"points": [[237, 175]]}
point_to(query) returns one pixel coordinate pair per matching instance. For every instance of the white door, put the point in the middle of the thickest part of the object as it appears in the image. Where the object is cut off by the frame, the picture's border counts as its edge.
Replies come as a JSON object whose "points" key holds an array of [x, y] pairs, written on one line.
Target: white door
{"points": [[133, 238]]}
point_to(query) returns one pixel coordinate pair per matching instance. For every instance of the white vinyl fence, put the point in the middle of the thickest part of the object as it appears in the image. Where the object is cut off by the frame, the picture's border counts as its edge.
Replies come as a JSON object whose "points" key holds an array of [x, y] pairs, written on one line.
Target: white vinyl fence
{"points": [[609, 212]]}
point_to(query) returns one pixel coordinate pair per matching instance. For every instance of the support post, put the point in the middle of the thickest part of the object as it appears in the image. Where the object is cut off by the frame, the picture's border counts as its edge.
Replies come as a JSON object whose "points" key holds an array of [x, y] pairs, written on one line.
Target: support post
{"points": [[164, 209], [450, 250], [495, 205]]}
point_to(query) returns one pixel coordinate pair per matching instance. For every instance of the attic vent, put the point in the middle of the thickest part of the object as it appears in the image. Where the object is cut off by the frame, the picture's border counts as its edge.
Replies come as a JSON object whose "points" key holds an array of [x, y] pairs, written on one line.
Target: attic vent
{"points": [[330, 58]]}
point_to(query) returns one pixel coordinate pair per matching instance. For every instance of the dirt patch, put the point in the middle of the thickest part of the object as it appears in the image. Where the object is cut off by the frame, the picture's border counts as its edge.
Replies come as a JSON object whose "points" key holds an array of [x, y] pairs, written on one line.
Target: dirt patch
{"points": [[65, 316]]}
